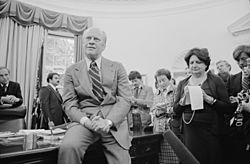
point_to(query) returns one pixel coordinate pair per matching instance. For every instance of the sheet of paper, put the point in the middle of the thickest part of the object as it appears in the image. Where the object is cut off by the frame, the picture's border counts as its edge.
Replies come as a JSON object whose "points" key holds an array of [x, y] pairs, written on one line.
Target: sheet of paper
{"points": [[196, 97]]}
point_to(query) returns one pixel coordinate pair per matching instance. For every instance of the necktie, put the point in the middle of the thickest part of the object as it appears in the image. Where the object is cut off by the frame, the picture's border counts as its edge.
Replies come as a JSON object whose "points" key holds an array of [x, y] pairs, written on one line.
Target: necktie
{"points": [[58, 93], [4, 88], [136, 92], [245, 83], [96, 81]]}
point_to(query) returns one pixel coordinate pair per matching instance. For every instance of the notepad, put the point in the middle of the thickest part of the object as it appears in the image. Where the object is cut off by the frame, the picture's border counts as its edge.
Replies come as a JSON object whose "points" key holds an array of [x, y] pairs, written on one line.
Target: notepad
{"points": [[196, 97]]}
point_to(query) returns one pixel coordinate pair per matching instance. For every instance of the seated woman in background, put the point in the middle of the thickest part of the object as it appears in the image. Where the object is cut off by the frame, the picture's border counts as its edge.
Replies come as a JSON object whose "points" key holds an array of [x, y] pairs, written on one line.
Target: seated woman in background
{"points": [[204, 128], [162, 112]]}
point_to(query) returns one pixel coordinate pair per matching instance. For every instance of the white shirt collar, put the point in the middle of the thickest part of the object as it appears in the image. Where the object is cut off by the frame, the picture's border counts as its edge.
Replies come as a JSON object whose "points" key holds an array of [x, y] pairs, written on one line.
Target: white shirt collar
{"points": [[98, 62], [52, 86], [6, 84]]}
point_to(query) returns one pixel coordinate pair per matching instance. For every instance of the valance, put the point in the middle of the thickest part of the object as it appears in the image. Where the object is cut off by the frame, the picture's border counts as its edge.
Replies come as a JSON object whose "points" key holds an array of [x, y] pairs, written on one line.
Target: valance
{"points": [[26, 15]]}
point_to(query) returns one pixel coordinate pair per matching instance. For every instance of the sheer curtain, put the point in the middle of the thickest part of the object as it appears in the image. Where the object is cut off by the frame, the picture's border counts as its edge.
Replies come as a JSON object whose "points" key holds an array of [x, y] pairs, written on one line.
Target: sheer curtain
{"points": [[20, 50], [23, 28], [78, 48]]}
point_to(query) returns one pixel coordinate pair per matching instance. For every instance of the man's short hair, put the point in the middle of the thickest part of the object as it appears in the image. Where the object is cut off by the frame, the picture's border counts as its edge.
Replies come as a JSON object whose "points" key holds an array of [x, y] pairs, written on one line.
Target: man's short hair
{"points": [[241, 49], [134, 75], [50, 76], [224, 61], [2, 67]]}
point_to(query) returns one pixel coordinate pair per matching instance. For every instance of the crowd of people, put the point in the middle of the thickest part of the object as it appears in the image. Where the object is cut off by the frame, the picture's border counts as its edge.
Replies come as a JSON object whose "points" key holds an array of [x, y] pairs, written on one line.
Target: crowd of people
{"points": [[100, 102]]}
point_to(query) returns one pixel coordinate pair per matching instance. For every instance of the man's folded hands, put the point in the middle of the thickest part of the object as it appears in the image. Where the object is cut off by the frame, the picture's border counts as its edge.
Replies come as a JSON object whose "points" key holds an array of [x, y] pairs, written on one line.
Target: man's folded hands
{"points": [[97, 124]]}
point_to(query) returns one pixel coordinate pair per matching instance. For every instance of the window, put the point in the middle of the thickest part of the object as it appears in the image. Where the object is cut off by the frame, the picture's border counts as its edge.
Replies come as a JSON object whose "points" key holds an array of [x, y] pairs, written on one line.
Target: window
{"points": [[58, 54]]}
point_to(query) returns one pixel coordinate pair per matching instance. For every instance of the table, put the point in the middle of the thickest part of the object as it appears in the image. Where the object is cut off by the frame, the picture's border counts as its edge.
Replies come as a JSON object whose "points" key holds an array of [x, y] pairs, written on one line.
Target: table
{"points": [[144, 150], [19, 152]]}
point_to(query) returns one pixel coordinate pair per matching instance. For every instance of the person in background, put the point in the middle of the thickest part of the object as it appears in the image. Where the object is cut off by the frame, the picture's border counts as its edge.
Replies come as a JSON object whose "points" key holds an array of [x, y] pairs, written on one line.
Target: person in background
{"points": [[187, 72], [238, 84], [162, 111], [173, 81], [142, 99], [51, 102], [223, 68], [246, 104], [10, 92], [203, 127], [97, 100]]}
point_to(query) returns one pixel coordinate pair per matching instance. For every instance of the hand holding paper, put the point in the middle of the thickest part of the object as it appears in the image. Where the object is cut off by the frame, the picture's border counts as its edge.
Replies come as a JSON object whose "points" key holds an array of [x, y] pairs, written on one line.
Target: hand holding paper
{"points": [[196, 97]]}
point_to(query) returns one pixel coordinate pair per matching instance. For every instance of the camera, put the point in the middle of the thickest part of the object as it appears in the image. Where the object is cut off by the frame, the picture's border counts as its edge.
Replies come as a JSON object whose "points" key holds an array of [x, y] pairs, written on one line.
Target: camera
{"points": [[243, 96]]}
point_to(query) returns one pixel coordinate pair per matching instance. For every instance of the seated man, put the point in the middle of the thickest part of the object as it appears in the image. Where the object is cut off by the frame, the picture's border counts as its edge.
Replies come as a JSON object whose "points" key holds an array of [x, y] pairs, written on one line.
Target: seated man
{"points": [[96, 99], [51, 102], [10, 92], [142, 99]]}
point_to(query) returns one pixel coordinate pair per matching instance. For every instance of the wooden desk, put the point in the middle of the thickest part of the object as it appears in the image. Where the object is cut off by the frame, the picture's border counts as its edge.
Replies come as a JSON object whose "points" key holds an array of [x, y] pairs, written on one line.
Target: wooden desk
{"points": [[144, 150]]}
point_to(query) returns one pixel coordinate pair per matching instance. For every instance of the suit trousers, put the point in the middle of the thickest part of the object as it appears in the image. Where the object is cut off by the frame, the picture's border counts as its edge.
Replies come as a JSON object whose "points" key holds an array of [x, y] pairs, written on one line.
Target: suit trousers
{"points": [[78, 138]]}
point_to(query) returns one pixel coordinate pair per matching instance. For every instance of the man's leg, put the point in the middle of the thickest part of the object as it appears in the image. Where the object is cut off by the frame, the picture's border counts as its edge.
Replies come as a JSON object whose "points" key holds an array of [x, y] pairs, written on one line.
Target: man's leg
{"points": [[114, 153], [76, 140]]}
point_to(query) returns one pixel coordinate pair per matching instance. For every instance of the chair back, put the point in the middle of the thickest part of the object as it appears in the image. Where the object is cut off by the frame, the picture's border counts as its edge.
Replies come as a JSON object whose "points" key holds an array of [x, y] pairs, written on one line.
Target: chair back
{"points": [[12, 119], [184, 155]]}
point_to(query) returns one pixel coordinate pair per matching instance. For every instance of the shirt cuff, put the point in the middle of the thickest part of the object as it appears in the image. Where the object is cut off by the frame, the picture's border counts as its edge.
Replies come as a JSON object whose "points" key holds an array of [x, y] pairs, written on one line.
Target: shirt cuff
{"points": [[83, 120], [110, 123]]}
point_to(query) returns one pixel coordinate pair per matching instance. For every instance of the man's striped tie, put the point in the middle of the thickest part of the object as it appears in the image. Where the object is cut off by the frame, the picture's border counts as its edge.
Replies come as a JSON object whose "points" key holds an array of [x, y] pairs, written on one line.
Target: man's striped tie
{"points": [[245, 83], [96, 81]]}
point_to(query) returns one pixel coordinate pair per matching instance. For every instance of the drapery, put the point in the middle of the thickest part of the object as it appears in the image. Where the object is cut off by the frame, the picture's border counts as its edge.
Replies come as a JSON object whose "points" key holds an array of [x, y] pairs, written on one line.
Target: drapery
{"points": [[23, 28], [26, 14], [78, 48], [20, 49]]}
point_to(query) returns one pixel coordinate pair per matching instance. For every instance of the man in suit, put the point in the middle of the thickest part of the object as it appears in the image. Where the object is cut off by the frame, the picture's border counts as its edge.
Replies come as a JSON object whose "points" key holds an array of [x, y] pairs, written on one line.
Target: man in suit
{"points": [[142, 99], [10, 92], [97, 100], [240, 139], [51, 102], [223, 68]]}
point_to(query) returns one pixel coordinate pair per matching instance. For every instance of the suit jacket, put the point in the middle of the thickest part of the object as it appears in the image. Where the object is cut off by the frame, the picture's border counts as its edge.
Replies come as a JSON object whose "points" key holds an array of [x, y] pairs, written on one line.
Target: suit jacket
{"points": [[51, 105], [13, 89], [79, 100], [234, 84], [145, 96], [234, 87]]}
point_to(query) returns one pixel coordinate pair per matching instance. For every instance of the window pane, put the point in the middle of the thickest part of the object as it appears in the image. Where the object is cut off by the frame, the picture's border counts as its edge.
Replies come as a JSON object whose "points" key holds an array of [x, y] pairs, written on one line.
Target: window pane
{"points": [[58, 55]]}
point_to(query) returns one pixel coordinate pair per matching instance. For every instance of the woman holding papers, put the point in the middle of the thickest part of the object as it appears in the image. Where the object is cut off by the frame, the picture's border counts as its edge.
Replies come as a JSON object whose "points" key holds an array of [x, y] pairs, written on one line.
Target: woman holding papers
{"points": [[202, 100]]}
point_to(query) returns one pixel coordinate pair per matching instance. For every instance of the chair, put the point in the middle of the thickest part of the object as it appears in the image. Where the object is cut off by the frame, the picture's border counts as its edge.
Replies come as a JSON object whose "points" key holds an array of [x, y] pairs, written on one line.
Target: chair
{"points": [[12, 119], [184, 155]]}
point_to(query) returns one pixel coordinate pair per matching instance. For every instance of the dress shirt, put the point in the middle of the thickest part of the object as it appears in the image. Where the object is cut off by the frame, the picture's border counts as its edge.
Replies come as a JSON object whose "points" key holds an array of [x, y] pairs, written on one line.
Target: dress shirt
{"points": [[97, 61], [53, 87]]}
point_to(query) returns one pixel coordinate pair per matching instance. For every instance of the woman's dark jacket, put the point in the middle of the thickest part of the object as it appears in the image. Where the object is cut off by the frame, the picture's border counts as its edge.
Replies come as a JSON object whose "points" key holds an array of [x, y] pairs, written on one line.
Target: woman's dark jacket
{"points": [[211, 115]]}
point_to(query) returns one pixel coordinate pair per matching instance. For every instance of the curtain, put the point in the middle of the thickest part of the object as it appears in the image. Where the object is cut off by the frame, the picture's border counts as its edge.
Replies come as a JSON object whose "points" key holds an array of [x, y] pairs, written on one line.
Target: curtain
{"points": [[23, 28], [20, 50], [78, 48], [26, 14]]}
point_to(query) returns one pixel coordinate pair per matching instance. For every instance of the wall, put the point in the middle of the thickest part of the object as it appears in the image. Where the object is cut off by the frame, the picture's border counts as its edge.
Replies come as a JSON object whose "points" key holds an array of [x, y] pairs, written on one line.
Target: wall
{"points": [[152, 34], [149, 43]]}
